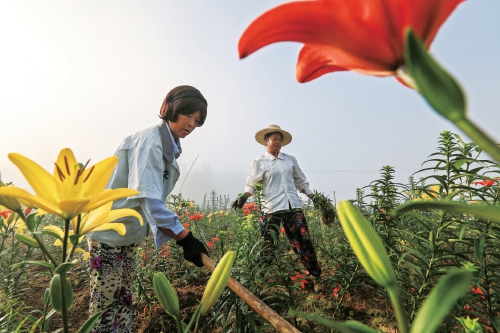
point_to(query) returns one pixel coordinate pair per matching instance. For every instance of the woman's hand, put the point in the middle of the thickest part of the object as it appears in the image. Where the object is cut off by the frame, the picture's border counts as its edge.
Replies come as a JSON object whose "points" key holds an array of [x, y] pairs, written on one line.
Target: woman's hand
{"points": [[238, 203], [193, 248]]}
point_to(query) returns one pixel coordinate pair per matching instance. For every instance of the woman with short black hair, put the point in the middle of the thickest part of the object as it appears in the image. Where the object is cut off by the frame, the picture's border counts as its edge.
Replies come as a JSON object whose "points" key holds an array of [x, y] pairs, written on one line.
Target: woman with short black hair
{"points": [[147, 163]]}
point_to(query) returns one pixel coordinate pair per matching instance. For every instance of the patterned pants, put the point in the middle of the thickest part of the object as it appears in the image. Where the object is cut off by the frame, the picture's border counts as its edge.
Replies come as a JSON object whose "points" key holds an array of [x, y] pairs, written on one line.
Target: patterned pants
{"points": [[295, 225], [112, 274]]}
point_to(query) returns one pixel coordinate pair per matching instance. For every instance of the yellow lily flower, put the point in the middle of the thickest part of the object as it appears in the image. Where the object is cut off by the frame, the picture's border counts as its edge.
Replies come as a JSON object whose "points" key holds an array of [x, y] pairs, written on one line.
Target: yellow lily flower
{"points": [[435, 193], [58, 231], [102, 219], [71, 190]]}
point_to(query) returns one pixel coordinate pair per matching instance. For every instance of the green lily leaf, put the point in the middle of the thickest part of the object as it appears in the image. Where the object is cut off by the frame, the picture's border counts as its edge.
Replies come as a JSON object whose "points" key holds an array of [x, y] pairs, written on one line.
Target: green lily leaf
{"points": [[166, 294], [46, 264], [56, 294], [436, 85], [27, 240], [479, 211], [65, 267], [89, 324], [345, 327], [448, 290], [46, 297]]}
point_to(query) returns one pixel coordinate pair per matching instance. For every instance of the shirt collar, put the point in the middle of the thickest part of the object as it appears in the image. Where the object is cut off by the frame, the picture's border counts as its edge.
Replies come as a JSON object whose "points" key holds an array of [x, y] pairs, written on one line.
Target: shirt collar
{"points": [[272, 157], [176, 143]]}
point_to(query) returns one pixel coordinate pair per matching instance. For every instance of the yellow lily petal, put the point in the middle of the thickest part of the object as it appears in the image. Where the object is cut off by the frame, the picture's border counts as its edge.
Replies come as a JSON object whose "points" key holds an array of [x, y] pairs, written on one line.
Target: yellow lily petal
{"points": [[55, 229], [66, 172], [15, 192], [118, 227], [98, 176], [91, 223], [86, 256], [73, 206], [40, 180], [79, 250], [110, 195]]}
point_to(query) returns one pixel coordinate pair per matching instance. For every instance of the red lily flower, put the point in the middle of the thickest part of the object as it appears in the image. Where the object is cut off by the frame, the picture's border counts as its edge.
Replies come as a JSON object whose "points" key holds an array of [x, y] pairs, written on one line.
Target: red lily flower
{"points": [[364, 36], [300, 280], [5, 213], [210, 244], [487, 182], [196, 217]]}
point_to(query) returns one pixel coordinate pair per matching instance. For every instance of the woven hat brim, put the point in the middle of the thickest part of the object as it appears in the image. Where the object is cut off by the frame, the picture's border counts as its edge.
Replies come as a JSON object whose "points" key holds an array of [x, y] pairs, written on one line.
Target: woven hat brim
{"points": [[259, 136]]}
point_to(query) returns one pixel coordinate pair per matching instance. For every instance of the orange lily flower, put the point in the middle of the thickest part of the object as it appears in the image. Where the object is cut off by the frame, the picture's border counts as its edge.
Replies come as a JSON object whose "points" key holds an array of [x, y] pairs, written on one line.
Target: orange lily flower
{"points": [[364, 36]]}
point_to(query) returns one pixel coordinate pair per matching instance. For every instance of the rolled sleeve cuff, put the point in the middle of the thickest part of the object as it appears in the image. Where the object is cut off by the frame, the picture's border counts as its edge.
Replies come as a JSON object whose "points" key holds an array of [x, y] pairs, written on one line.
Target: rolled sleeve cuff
{"points": [[161, 237], [249, 189], [308, 191], [160, 216]]}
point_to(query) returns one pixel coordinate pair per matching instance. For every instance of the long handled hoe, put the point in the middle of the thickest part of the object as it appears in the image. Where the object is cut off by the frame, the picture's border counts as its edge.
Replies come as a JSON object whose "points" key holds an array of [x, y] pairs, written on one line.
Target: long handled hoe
{"points": [[254, 302]]}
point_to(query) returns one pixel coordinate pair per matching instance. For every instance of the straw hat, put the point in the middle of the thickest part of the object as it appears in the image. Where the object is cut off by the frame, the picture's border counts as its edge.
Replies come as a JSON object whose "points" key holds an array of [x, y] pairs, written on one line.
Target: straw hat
{"points": [[259, 136]]}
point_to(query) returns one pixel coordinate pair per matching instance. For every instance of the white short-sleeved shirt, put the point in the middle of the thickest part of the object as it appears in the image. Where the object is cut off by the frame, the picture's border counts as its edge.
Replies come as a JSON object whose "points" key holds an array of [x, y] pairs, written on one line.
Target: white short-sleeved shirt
{"points": [[146, 164], [281, 178]]}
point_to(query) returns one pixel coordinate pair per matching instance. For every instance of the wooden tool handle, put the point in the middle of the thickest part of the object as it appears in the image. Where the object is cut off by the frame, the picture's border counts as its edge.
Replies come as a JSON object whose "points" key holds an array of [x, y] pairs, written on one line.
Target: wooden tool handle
{"points": [[253, 301]]}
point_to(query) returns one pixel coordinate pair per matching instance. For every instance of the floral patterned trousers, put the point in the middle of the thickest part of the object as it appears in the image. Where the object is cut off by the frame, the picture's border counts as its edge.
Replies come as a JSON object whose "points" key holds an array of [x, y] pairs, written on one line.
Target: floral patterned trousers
{"points": [[113, 270], [295, 225]]}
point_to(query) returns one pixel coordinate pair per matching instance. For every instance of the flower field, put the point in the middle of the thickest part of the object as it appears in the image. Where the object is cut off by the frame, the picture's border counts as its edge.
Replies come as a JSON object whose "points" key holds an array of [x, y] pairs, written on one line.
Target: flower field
{"points": [[423, 244]]}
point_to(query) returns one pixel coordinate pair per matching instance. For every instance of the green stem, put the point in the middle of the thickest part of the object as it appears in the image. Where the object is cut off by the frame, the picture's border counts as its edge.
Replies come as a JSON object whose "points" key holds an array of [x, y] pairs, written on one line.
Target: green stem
{"points": [[482, 139], [77, 231], [65, 241], [44, 250], [398, 309]]}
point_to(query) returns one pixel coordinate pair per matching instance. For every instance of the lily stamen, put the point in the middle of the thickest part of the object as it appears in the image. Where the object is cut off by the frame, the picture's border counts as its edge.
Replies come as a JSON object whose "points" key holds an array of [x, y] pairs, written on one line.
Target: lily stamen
{"points": [[67, 165], [59, 172], [90, 172], [80, 172]]}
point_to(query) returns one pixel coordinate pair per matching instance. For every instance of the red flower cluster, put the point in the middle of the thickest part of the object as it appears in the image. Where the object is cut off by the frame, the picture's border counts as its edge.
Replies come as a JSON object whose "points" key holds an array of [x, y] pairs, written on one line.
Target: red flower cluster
{"points": [[248, 208], [210, 244], [196, 217], [335, 292], [186, 225], [5, 213], [299, 279], [486, 183]]}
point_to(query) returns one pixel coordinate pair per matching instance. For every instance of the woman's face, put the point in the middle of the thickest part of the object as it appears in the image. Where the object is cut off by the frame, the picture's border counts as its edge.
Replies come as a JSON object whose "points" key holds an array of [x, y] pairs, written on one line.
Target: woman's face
{"points": [[274, 143], [184, 125]]}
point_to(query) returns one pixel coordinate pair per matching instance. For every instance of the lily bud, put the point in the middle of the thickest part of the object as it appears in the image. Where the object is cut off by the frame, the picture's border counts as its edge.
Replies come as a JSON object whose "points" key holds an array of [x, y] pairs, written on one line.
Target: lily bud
{"points": [[217, 282], [166, 294], [367, 245], [9, 202]]}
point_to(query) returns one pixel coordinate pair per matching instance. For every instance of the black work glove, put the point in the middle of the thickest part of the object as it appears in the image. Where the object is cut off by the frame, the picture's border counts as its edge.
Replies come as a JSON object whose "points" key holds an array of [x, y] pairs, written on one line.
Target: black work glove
{"points": [[193, 249], [238, 203]]}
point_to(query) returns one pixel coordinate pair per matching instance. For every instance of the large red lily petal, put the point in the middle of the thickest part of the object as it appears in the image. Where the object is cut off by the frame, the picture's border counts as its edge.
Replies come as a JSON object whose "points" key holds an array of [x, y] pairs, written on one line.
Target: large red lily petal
{"points": [[357, 27], [314, 62], [425, 17]]}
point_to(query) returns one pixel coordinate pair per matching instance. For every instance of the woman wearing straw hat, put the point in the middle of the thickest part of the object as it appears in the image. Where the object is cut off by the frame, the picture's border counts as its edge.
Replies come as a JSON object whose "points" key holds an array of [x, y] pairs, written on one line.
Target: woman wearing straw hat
{"points": [[281, 178], [147, 163]]}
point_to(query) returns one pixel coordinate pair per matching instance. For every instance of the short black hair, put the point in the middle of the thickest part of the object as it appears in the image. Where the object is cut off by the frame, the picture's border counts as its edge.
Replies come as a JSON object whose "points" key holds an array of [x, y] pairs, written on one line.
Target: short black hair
{"points": [[184, 100], [268, 135]]}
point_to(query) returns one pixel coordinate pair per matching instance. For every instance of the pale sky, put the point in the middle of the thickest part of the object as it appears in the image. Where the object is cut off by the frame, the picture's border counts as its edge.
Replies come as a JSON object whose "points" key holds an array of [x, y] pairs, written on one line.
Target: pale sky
{"points": [[86, 74]]}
